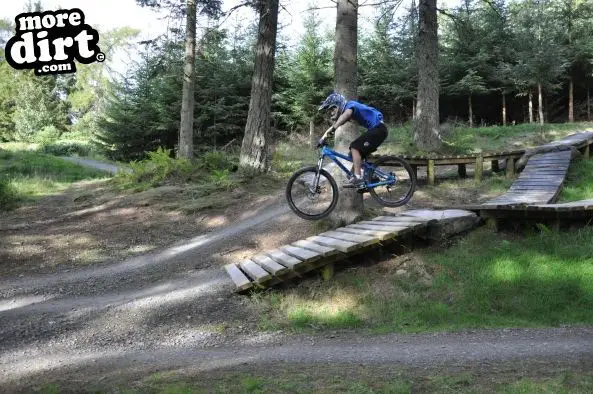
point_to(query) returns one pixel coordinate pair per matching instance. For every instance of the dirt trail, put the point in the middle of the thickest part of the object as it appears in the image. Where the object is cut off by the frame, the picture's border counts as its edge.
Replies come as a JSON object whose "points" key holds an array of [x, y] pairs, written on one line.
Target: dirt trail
{"points": [[98, 165], [176, 308]]}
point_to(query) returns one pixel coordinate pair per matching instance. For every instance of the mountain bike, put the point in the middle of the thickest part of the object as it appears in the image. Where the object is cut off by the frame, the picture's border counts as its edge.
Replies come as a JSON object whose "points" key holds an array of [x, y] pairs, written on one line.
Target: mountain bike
{"points": [[312, 192]]}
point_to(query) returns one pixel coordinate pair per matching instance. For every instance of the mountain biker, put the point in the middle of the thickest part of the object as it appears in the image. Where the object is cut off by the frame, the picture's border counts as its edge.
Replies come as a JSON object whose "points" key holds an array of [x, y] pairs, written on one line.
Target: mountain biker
{"points": [[346, 110]]}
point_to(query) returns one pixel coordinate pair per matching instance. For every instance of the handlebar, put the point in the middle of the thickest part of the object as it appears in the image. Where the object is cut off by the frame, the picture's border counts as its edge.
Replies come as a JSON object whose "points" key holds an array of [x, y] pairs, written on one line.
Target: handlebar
{"points": [[322, 142]]}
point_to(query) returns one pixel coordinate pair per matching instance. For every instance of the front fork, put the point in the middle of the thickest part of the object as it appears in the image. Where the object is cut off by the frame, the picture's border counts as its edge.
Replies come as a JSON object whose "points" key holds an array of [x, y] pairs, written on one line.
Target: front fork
{"points": [[318, 174]]}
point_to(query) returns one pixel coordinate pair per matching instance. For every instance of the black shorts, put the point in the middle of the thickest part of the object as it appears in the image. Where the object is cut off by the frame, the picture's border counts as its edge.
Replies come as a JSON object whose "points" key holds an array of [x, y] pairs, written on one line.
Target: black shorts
{"points": [[370, 141]]}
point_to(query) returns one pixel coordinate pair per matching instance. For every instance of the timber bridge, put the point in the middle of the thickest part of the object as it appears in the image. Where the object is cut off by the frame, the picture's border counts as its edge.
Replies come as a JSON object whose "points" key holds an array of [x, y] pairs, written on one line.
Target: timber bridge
{"points": [[530, 197]]}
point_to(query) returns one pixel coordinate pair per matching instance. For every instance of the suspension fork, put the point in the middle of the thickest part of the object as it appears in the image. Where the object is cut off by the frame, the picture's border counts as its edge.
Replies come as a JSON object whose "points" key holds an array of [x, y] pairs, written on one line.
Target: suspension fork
{"points": [[318, 174]]}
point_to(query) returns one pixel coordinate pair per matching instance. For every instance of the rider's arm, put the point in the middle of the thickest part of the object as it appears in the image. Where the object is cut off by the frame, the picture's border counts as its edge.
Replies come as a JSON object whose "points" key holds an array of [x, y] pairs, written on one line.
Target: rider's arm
{"points": [[345, 117]]}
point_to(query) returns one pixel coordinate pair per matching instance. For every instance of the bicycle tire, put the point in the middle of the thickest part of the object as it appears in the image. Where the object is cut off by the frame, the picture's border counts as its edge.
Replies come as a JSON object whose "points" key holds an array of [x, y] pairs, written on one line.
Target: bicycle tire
{"points": [[289, 194], [412, 186]]}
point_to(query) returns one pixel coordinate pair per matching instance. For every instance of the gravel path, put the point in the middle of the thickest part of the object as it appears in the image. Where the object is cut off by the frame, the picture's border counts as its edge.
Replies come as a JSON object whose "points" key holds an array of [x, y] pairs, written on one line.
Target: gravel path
{"points": [[99, 165]]}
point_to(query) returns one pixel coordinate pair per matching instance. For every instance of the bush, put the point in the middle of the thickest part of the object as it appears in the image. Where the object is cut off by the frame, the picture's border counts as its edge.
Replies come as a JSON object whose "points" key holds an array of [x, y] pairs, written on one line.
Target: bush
{"points": [[216, 161], [8, 195], [47, 135], [158, 167], [67, 148]]}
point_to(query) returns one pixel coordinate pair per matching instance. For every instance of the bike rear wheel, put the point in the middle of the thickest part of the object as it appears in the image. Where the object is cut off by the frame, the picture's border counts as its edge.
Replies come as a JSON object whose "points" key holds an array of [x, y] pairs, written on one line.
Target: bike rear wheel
{"points": [[397, 193], [309, 203]]}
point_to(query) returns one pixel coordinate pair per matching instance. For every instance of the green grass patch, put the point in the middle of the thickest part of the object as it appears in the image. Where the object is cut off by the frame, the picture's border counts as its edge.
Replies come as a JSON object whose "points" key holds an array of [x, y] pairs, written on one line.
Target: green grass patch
{"points": [[26, 175], [579, 182], [351, 379], [290, 155], [465, 140], [485, 280]]}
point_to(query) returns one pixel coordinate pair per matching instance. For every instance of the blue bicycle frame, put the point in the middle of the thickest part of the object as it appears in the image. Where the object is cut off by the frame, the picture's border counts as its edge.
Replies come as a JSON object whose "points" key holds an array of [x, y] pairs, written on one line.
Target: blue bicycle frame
{"points": [[386, 179]]}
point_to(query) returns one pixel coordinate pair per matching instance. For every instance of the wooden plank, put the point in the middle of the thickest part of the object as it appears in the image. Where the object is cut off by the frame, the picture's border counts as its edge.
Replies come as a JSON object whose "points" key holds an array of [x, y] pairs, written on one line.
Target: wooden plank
{"points": [[362, 240], [430, 172], [305, 255], [323, 250], [553, 185], [382, 235], [542, 177], [241, 281], [479, 168], [409, 223], [395, 230], [400, 219], [284, 259], [255, 272], [541, 166], [510, 170], [270, 265], [342, 246]]}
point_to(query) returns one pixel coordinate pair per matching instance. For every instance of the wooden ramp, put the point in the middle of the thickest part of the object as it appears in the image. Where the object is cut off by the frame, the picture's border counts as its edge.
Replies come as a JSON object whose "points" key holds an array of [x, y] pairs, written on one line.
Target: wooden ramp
{"points": [[540, 181], [287, 262], [575, 211], [542, 178]]}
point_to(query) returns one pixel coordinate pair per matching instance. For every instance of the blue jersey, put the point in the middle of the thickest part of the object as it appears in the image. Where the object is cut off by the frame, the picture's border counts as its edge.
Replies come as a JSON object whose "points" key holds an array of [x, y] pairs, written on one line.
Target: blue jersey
{"points": [[366, 116]]}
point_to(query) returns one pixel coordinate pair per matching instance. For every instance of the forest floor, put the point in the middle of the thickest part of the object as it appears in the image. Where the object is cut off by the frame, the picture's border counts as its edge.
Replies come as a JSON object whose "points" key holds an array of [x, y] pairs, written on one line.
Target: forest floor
{"points": [[107, 290]]}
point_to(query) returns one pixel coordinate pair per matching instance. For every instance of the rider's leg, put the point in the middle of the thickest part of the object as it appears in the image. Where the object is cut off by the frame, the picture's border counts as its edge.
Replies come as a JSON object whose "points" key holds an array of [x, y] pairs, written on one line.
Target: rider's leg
{"points": [[357, 161]]}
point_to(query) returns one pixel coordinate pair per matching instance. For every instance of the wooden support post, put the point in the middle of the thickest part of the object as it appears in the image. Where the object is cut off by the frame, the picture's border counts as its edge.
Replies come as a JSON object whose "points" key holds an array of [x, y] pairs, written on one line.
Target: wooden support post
{"points": [[510, 167], [461, 170], [430, 172], [327, 271], [587, 152], [495, 166], [479, 168]]}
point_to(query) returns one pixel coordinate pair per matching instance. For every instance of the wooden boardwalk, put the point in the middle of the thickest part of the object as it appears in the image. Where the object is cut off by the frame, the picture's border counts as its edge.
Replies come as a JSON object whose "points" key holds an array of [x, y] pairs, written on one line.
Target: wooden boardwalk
{"points": [[461, 161], [531, 196], [539, 184], [541, 180], [579, 140], [290, 261]]}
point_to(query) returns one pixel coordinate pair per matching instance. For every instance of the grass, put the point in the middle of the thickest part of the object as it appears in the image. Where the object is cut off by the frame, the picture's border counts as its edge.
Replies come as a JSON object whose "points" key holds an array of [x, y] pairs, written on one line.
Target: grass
{"points": [[27, 175], [485, 280], [465, 140], [579, 182], [353, 379]]}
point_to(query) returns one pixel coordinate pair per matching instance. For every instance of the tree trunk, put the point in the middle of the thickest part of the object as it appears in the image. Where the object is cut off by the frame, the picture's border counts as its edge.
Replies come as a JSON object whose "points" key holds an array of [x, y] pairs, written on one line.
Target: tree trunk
{"points": [[570, 100], [426, 127], [504, 109], [186, 128], [471, 112], [530, 107], [540, 103], [254, 154], [413, 108], [350, 204]]}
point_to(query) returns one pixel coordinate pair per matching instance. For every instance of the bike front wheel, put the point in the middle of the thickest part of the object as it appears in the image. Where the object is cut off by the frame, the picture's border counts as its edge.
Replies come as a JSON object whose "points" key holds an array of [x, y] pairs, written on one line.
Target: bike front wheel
{"points": [[400, 178], [306, 200]]}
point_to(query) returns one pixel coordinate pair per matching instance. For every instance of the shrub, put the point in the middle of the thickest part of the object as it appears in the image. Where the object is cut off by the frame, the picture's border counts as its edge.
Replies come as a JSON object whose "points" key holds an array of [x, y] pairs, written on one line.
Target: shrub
{"points": [[216, 161], [67, 148], [47, 135], [8, 195], [158, 167]]}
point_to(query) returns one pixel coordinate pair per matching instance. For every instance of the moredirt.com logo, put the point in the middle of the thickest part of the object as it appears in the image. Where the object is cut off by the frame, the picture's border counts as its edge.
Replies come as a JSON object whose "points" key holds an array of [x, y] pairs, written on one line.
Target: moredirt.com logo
{"points": [[48, 42]]}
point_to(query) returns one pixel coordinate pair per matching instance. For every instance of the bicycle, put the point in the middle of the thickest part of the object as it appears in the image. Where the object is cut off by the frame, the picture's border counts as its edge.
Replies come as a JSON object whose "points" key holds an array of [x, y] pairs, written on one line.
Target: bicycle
{"points": [[388, 177]]}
